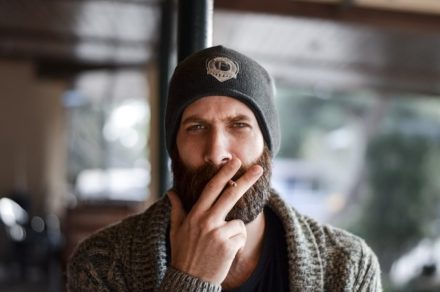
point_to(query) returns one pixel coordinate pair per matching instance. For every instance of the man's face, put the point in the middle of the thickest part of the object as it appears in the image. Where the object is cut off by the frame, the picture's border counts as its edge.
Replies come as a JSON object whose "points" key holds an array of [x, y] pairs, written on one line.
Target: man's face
{"points": [[213, 130], [216, 128]]}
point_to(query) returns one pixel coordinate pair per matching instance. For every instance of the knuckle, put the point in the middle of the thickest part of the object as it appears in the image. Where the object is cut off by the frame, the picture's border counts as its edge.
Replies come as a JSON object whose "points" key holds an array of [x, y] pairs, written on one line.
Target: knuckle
{"points": [[217, 235], [210, 186], [207, 224], [193, 222]]}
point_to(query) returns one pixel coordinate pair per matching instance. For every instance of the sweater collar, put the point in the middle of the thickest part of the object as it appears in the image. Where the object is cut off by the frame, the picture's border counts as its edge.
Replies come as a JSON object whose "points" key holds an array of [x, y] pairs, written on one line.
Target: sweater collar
{"points": [[305, 263], [304, 260]]}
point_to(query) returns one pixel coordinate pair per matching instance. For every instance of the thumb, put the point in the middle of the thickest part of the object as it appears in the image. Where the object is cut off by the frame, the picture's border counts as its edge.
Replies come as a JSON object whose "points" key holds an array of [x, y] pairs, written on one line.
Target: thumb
{"points": [[177, 211]]}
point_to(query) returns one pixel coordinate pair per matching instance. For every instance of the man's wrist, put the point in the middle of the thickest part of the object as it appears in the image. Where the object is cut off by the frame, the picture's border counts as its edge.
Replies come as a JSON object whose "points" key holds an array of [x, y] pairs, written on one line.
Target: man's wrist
{"points": [[176, 280]]}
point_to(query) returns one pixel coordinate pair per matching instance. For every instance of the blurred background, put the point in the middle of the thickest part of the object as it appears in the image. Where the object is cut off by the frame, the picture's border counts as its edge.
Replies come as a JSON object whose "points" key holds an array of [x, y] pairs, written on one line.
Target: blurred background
{"points": [[80, 121]]}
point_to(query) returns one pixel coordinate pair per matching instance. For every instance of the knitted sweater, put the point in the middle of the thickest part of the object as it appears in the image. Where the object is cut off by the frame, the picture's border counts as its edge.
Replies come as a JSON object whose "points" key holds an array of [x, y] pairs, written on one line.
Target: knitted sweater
{"points": [[132, 256]]}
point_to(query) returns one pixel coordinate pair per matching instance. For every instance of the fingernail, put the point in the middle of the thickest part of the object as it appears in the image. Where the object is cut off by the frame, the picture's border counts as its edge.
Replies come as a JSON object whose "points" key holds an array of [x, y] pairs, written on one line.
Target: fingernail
{"points": [[235, 162], [257, 169]]}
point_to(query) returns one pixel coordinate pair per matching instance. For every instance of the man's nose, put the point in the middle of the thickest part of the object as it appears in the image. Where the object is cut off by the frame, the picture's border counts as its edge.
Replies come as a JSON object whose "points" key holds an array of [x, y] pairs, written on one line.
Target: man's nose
{"points": [[217, 150]]}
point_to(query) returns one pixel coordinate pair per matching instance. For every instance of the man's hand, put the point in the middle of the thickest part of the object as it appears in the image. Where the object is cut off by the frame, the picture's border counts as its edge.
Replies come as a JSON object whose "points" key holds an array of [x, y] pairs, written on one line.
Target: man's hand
{"points": [[203, 244]]}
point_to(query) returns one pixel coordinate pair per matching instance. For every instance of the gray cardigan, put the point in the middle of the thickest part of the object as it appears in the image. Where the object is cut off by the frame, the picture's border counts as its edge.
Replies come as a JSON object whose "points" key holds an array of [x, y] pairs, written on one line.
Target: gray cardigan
{"points": [[132, 256]]}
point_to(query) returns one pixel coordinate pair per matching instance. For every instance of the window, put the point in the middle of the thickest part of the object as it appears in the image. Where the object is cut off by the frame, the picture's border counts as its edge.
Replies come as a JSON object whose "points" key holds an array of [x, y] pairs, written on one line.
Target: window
{"points": [[108, 123], [367, 162]]}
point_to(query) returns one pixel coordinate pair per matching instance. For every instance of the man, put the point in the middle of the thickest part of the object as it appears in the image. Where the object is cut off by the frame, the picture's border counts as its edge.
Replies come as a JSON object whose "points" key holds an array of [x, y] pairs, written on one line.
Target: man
{"points": [[222, 227]]}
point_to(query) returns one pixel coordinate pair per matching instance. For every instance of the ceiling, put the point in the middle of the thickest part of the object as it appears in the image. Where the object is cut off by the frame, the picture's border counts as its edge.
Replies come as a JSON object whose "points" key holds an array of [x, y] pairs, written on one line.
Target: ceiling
{"points": [[326, 53], [339, 43], [97, 31]]}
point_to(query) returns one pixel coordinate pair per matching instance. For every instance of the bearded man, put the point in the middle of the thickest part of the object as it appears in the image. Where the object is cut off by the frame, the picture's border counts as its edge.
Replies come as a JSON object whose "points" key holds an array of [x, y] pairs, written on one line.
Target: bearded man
{"points": [[222, 227]]}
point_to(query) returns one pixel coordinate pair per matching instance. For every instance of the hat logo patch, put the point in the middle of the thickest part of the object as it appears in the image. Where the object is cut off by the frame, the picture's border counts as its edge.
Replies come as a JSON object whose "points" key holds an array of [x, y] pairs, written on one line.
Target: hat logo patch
{"points": [[222, 68]]}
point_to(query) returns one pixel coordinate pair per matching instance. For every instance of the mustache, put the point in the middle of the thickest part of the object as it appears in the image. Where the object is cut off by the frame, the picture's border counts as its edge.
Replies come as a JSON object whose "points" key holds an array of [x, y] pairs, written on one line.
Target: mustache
{"points": [[197, 179], [189, 183], [208, 171]]}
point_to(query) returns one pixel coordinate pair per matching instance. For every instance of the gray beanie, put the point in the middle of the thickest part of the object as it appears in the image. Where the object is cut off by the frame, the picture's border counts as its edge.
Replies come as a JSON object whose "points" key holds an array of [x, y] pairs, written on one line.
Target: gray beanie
{"points": [[223, 72]]}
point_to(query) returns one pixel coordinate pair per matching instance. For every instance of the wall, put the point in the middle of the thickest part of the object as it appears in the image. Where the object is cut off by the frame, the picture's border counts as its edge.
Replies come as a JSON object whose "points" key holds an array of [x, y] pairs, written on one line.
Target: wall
{"points": [[31, 138]]}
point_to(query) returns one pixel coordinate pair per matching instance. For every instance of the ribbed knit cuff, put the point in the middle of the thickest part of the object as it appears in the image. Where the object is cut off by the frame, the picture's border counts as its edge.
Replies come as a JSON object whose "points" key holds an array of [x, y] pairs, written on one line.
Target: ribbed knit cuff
{"points": [[176, 280]]}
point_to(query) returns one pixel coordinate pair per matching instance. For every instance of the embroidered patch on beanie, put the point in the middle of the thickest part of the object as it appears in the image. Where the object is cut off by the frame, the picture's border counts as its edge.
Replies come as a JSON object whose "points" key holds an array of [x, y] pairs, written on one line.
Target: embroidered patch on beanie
{"points": [[222, 68]]}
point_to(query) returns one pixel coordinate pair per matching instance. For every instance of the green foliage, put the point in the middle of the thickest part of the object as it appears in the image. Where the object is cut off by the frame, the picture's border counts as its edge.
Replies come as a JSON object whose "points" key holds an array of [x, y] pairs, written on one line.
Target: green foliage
{"points": [[402, 202], [399, 198], [302, 112]]}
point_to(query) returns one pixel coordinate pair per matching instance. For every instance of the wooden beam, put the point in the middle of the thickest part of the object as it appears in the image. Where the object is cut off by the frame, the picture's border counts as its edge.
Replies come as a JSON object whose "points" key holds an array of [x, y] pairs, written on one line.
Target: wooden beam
{"points": [[68, 38], [419, 22]]}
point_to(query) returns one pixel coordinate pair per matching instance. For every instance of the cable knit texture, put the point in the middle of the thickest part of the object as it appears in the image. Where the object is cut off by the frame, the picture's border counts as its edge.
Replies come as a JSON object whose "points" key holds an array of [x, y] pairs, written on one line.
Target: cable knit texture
{"points": [[132, 256]]}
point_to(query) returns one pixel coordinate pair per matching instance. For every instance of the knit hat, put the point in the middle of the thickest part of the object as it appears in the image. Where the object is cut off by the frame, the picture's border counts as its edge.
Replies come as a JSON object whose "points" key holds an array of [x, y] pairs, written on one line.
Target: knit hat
{"points": [[219, 71]]}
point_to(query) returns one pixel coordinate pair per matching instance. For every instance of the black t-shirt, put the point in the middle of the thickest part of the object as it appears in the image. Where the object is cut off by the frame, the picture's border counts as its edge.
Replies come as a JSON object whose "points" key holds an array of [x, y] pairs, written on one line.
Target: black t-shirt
{"points": [[271, 273]]}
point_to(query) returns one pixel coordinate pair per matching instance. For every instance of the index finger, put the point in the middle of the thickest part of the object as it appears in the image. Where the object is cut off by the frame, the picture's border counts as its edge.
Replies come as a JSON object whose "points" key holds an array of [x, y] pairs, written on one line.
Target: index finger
{"points": [[231, 195], [216, 185]]}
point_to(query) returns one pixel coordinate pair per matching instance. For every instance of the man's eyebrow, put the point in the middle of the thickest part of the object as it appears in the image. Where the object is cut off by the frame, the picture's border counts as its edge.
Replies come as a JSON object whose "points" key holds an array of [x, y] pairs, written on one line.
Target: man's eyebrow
{"points": [[231, 118], [238, 118], [192, 119]]}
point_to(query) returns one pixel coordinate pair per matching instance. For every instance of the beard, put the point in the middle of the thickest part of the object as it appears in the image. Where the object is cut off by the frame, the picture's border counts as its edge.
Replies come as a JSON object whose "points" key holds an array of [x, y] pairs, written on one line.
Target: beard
{"points": [[189, 184]]}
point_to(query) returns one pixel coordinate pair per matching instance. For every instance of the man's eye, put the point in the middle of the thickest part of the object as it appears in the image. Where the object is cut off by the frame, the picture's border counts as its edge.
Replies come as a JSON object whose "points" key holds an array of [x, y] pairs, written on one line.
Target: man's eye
{"points": [[195, 127], [240, 125]]}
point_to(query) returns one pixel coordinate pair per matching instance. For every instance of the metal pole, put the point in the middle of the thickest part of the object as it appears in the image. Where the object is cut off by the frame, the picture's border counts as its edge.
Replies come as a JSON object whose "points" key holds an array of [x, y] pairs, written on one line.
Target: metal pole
{"points": [[165, 62], [194, 33], [195, 26]]}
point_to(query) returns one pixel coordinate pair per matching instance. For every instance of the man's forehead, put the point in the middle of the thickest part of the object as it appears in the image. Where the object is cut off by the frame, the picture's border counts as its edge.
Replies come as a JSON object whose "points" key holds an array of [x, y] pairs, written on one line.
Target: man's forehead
{"points": [[218, 107]]}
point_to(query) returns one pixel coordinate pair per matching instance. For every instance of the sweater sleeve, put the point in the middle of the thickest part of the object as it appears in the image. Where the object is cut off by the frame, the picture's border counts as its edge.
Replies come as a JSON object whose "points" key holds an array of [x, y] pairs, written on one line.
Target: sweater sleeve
{"points": [[94, 267], [175, 280], [369, 276]]}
